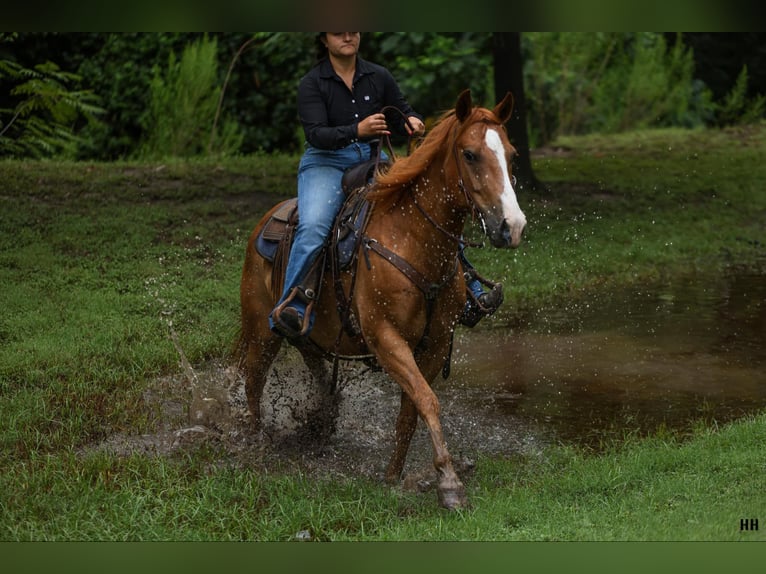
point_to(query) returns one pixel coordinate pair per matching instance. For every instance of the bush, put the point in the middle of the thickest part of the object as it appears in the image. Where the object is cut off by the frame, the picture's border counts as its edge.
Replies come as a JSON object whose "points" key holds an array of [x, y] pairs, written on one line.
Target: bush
{"points": [[651, 85], [433, 68], [183, 105], [737, 108], [575, 83], [610, 82]]}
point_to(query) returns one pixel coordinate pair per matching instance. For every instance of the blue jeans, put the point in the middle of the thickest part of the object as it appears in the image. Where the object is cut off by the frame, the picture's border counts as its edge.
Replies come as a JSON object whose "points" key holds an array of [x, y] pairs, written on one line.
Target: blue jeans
{"points": [[320, 198]]}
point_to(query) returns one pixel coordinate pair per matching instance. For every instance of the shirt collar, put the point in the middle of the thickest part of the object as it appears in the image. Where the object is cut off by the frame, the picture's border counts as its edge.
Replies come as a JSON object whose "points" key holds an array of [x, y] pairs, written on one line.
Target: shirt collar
{"points": [[326, 70]]}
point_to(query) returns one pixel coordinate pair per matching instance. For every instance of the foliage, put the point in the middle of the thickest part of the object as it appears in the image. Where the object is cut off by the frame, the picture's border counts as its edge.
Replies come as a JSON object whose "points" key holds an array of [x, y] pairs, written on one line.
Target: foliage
{"points": [[610, 82], [183, 106], [264, 89], [432, 69], [561, 70], [44, 119], [737, 108], [651, 86], [576, 82], [120, 67]]}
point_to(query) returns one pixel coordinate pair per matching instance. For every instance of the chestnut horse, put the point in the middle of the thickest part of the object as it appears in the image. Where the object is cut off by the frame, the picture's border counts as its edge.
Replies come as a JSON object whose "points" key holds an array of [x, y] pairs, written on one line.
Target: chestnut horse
{"points": [[418, 210]]}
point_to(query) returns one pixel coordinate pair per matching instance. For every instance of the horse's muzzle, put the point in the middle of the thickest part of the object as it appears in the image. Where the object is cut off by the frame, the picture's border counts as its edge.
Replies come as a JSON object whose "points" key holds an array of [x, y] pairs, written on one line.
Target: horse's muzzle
{"points": [[507, 235]]}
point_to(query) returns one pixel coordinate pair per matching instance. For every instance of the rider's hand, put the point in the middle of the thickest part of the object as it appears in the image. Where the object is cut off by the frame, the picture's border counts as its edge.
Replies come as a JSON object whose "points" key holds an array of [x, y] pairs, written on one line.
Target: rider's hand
{"points": [[418, 128], [373, 126]]}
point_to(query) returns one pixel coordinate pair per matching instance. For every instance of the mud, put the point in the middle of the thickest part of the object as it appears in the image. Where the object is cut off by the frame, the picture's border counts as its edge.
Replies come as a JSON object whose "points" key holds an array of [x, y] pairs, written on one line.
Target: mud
{"points": [[210, 409]]}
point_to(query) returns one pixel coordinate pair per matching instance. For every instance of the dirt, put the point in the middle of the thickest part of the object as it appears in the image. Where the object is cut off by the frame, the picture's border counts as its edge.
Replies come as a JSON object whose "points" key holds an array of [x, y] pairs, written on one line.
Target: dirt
{"points": [[207, 407]]}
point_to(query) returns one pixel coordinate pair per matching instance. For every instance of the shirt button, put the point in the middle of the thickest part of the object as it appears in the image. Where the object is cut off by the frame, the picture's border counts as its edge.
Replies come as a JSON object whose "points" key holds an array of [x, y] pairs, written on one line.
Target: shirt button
{"points": [[356, 115], [353, 101]]}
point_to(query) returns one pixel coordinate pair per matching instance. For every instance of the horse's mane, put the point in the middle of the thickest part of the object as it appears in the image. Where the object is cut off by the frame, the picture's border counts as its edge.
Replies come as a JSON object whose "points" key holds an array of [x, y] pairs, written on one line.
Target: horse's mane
{"points": [[394, 182]]}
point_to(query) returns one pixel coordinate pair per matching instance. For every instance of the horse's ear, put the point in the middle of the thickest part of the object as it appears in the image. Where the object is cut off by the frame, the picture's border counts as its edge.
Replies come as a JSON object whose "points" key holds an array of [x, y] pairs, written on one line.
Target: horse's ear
{"points": [[503, 109], [464, 105]]}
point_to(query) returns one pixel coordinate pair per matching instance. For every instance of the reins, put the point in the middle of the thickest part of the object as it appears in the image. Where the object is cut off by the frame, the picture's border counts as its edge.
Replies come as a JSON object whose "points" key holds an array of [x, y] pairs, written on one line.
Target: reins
{"points": [[457, 239]]}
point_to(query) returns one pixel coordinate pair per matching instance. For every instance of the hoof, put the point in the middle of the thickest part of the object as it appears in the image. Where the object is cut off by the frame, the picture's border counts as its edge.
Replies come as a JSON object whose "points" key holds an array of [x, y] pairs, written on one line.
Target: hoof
{"points": [[453, 498]]}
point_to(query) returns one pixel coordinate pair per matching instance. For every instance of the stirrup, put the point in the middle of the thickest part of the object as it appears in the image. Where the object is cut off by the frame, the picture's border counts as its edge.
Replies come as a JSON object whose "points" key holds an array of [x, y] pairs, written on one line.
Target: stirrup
{"points": [[292, 325], [483, 306]]}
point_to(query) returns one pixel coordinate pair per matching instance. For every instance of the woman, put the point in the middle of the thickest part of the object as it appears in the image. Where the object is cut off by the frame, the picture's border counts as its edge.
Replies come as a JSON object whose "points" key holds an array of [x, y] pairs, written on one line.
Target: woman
{"points": [[339, 103]]}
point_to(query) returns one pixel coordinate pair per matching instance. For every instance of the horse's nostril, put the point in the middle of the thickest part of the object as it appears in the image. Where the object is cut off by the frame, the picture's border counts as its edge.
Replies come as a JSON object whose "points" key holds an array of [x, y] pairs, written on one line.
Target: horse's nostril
{"points": [[505, 230]]}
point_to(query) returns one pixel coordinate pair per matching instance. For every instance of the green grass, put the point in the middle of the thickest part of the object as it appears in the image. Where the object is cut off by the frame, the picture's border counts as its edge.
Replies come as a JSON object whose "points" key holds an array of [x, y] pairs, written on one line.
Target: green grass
{"points": [[654, 489], [99, 261]]}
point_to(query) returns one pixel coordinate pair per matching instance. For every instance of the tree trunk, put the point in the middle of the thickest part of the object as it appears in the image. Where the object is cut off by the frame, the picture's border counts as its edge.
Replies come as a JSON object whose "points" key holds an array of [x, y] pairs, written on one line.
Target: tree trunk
{"points": [[508, 74]]}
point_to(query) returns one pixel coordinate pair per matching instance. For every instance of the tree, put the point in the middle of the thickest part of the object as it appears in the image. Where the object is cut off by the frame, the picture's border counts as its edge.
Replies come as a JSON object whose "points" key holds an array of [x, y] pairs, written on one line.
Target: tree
{"points": [[509, 77]]}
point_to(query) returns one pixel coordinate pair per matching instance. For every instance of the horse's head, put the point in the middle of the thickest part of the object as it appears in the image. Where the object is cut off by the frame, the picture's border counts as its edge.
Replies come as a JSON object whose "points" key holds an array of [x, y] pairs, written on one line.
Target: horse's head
{"points": [[483, 155]]}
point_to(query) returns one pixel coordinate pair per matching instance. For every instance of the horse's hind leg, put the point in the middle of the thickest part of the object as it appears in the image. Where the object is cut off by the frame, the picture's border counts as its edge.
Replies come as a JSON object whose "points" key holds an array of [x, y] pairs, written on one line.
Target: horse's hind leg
{"points": [[261, 350], [325, 416], [406, 423], [318, 368]]}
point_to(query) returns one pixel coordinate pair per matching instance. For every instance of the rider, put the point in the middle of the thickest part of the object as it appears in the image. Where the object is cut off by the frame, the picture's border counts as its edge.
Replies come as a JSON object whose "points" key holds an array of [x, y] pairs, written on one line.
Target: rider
{"points": [[339, 103]]}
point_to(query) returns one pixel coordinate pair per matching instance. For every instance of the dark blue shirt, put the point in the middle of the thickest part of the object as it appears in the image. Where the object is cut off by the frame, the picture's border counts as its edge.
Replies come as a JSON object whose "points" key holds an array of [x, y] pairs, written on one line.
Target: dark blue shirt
{"points": [[330, 112]]}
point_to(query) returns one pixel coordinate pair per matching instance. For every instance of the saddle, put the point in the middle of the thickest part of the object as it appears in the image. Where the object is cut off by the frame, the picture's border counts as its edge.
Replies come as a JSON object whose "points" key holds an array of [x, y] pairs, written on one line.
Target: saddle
{"points": [[280, 225], [276, 237], [278, 230]]}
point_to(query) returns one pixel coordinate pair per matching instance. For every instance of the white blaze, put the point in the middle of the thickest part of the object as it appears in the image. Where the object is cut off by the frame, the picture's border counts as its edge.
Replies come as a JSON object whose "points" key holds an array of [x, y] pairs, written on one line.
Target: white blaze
{"points": [[511, 210]]}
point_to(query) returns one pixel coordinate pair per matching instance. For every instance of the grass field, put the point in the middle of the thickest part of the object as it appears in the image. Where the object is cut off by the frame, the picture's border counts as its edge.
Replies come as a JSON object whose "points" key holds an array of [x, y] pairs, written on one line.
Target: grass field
{"points": [[100, 263]]}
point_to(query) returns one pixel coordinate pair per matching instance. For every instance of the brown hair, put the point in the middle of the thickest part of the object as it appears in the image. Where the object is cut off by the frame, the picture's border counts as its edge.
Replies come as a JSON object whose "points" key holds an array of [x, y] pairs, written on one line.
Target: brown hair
{"points": [[321, 49]]}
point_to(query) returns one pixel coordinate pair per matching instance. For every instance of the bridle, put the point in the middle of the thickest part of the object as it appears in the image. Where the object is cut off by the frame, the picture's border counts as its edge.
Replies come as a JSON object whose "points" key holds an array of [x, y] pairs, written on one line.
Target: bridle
{"points": [[475, 211]]}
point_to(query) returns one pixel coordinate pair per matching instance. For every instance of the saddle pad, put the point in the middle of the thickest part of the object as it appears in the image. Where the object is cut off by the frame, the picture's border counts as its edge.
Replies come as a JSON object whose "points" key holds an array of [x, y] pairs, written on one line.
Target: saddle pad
{"points": [[268, 239]]}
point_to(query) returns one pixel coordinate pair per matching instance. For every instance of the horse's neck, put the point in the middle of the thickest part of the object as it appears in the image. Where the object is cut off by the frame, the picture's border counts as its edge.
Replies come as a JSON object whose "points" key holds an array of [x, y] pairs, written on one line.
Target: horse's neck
{"points": [[435, 232]]}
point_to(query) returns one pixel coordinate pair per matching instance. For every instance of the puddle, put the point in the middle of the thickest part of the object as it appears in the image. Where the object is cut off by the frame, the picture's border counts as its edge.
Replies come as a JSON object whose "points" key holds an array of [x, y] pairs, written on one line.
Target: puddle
{"points": [[213, 412], [620, 363], [629, 361]]}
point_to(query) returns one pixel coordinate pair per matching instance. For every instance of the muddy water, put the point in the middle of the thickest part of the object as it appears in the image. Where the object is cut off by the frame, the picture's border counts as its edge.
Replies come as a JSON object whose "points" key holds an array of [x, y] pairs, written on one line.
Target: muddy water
{"points": [[667, 355], [618, 363]]}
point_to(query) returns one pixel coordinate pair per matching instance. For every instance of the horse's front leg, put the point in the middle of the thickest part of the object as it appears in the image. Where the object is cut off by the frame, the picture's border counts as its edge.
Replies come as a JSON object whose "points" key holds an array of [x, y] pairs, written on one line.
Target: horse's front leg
{"points": [[396, 357]]}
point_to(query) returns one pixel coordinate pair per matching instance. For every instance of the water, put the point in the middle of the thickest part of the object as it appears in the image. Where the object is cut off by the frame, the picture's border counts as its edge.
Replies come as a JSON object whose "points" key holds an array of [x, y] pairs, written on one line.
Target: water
{"points": [[667, 356], [633, 361]]}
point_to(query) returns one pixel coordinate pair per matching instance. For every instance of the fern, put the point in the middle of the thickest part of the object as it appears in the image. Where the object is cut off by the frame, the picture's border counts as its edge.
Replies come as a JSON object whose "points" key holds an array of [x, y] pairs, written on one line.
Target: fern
{"points": [[44, 119]]}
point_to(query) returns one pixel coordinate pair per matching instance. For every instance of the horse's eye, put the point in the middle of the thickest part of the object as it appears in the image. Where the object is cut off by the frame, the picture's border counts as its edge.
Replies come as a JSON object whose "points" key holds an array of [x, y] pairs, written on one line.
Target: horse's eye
{"points": [[469, 155]]}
